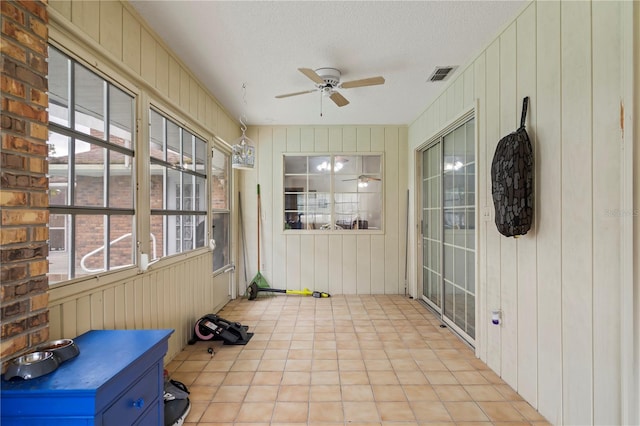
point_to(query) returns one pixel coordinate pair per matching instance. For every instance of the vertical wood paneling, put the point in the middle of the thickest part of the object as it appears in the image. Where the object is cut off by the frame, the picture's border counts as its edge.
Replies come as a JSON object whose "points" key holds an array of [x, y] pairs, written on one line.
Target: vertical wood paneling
{"points": [[194, 89], [96, 312], [130, 304], [307, 263], [148, 63], [321, 263], [111, 27], [202, 106], [508, 246], [349, 139], [377, 139], [363, 139], [131, 51], [526, 263], [335, 264], [307, 139], [86, 15], [69, 319], [83, 315], [293, 261], [493, 239], [174, 80], [109, 302], [577, 218], [468, 87], [185, 89], [377, 268], [265, 179], [349, 264], [395, 212], [548, 211], [482, 309], [293, 139], [119, 308], [279, 240], [363, 264], [335, 139], [162, 70], [55, 322], [606, 235], [321, 140], [63, 7]]}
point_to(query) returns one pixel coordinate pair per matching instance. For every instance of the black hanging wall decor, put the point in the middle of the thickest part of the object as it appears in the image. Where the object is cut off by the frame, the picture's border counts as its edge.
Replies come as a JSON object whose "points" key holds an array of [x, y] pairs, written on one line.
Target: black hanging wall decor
{"points": [[512, 181]]}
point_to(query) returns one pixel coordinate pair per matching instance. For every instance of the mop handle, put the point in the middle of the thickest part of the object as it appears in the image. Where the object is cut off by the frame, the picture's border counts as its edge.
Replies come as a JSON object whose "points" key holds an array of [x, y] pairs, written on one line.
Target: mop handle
{"points": [[258, 227]]}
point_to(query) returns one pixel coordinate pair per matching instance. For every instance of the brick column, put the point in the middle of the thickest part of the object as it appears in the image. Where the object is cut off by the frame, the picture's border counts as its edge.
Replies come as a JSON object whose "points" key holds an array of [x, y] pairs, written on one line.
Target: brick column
{"points": [[24, 201]]}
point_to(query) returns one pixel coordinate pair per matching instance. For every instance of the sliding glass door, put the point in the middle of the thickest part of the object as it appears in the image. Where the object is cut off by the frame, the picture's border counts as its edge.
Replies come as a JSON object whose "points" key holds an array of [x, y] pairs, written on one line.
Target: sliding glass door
{"points": [[448, 227]]}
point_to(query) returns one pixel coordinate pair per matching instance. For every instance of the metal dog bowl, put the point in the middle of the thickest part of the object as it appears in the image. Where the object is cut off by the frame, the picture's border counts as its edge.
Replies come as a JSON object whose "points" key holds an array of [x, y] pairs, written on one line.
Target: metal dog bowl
{"points": [[32, 365], [63, 349]]}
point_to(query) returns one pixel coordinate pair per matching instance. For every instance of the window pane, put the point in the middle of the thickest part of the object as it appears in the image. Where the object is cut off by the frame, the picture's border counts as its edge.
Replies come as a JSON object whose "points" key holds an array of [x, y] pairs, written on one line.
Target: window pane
{"points": [[201, 155], [201, 223], [90, 244], [59, 247], [120, 117], [221, 236], [295, 164], [121, 241], [320, 164], [157, 191], [58, 169], [59, 66], [220, 180], [89, 102], [173, 143], [319, 183], [120, 180], [346, 165], [89, 175], [187, 150], [157, 228], [371, 164], [174, 201], [156, 135]]}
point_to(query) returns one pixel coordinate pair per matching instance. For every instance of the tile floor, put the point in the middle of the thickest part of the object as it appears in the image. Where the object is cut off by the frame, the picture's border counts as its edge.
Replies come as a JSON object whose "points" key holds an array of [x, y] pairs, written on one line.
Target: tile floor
{"points": [[356, 360]]}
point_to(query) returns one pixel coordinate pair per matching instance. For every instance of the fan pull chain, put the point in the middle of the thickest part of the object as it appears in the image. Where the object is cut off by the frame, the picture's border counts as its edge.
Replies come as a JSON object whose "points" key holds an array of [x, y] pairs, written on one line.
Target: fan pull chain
{"points": [[321, 103]]}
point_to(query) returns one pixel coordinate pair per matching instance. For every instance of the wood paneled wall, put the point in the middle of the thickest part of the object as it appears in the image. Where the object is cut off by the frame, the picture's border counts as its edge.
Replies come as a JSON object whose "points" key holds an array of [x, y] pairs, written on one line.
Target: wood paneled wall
{"points": [[339, 263], [559, 287]]}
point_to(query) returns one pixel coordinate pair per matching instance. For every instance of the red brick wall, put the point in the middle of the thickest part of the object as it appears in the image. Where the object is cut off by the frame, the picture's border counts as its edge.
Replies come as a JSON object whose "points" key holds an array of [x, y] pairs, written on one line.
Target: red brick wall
{"points": [[24, 315]]}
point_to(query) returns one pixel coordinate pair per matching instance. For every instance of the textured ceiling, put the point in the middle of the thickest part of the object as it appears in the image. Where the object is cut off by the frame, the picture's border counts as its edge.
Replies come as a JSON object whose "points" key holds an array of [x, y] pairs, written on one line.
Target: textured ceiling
{"points": [[262, 44]]}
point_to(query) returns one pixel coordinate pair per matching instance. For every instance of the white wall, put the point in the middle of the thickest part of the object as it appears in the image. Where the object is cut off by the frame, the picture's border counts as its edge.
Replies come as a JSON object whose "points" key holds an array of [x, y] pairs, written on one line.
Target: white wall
{"points": [[356, 262], [559, 287]]}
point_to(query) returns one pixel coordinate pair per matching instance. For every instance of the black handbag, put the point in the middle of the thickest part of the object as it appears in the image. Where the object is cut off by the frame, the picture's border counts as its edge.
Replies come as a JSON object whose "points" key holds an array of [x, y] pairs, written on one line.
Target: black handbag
{"points": [[512, 181]]}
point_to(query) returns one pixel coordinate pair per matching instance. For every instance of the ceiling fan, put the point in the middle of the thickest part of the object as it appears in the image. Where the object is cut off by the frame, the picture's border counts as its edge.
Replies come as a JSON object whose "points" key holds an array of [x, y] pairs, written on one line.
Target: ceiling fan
{"points": [[363, 180], [327, 80]]}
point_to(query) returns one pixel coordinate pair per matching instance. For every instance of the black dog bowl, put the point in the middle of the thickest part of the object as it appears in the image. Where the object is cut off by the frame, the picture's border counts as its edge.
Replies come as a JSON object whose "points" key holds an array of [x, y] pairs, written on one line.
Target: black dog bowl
{"points": [[32, 365], [63, 349]]}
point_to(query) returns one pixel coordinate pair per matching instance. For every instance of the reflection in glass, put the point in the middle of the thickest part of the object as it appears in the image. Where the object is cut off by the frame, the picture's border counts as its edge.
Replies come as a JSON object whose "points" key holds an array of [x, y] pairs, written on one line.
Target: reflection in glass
{"points": [[89, 105]]}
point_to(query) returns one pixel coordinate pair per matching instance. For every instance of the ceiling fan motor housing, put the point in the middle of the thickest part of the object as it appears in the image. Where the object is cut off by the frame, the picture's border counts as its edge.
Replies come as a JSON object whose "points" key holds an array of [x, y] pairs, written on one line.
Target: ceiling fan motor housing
{"points": [[331, 77]]}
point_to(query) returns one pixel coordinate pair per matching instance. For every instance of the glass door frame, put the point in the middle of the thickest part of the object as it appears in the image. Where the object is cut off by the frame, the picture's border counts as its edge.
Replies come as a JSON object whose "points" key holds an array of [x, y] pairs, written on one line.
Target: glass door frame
{"points": [[438, 138]]}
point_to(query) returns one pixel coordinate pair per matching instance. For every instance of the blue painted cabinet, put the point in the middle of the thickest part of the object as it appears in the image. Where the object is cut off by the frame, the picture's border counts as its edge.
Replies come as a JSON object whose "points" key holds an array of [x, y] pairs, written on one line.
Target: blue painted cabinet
{"points": [[117, 379]]}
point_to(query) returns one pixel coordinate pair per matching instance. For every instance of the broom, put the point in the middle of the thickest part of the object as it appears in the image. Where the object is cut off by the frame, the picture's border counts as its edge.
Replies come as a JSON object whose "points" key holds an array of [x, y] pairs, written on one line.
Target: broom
{"points": [[259, 280]]}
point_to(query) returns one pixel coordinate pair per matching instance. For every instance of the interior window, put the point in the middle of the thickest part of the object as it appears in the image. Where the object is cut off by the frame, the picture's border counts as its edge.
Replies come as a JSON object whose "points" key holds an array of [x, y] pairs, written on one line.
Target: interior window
{"points": [[333, 192]]}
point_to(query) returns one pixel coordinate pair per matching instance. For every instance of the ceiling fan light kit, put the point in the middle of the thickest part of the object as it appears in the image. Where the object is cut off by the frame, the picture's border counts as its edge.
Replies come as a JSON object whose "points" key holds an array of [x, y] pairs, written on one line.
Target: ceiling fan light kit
{"points": [[327, 81]]}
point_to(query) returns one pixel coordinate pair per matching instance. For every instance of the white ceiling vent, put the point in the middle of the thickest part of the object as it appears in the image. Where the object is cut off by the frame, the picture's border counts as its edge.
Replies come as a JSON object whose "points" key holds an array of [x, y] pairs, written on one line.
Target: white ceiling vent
{"points": [[441, 73]]}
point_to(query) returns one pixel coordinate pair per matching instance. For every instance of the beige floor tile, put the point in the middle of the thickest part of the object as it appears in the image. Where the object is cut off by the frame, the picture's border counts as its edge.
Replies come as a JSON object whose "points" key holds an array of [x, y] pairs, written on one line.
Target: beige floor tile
{"points": [[197, 408], [325, 365], [411, 378], [349, 354], [420, 393], [377, 364], [238, 378], [395, 412], [356, 412], [527, 411], [289, 412], [383, 378], [272, 365], [388, 393], [220, 412], [230, 393], [255, 412], [219, 365], [325, 412], [325, 393], [245, 365], [325, 341], [440, 378], [202, 393], [452, 393], [351, 365], [358, 393], [465, 411], [258, 393], [484, 393], [292, 393], [428, 365], [470, 378], [301, 344], [354, 378], [508, 393], [251, 354], [192, 366], [432, 411], [300, 354], [296, 378], [188, 378], [275, 354], [501, 411], [374, 354], [298, 365], [325, 378]]}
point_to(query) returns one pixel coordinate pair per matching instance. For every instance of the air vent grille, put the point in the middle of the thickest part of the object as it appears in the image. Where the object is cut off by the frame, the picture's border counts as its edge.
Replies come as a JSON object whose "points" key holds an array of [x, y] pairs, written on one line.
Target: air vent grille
{"points": [[441, 73]]}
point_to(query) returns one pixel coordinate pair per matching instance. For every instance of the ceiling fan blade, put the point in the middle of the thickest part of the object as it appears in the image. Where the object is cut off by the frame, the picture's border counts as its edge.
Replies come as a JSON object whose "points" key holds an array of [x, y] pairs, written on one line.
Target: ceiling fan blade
{"points": [[372, 81], [338, 99], [311, 74], [295, 94]]}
